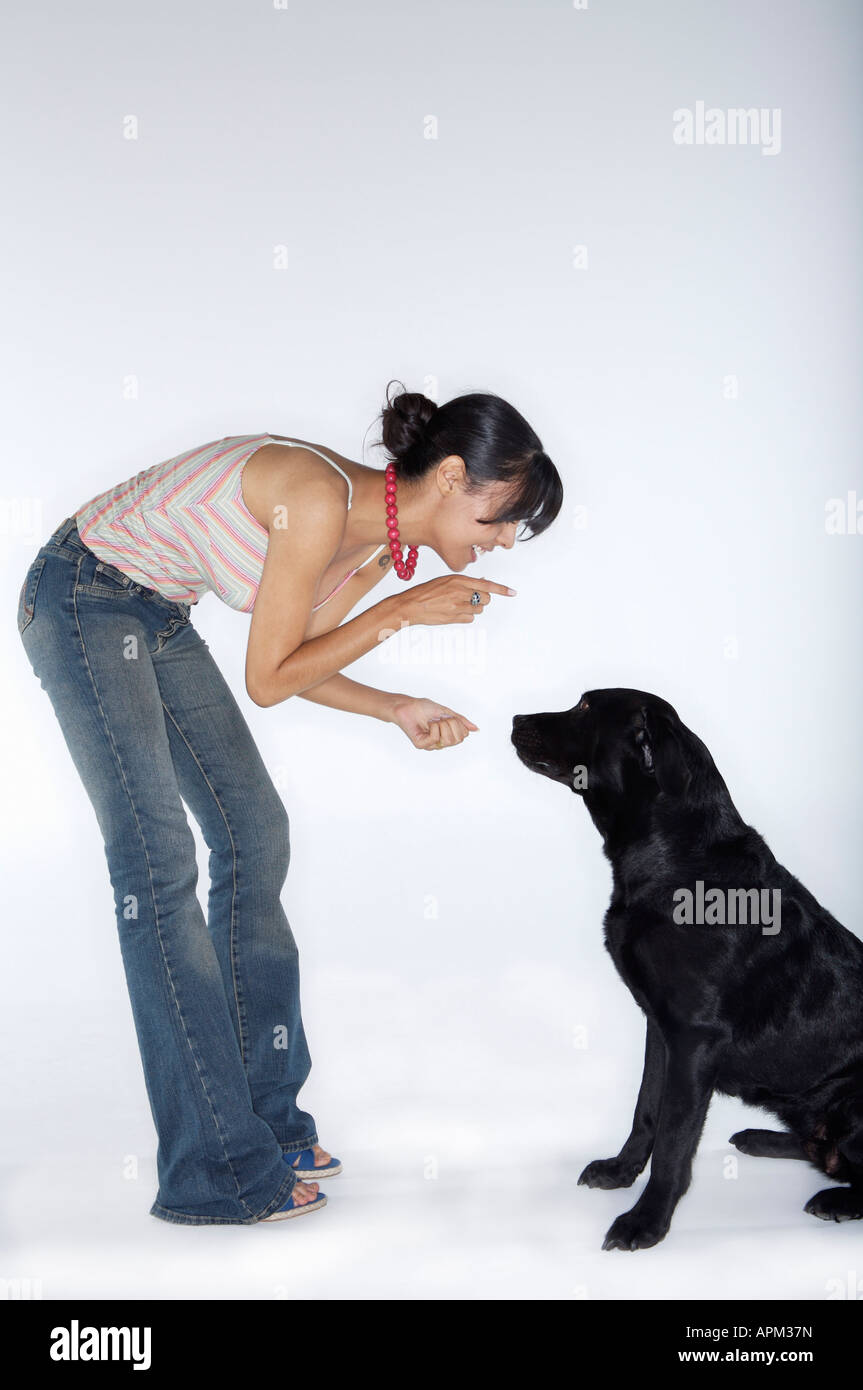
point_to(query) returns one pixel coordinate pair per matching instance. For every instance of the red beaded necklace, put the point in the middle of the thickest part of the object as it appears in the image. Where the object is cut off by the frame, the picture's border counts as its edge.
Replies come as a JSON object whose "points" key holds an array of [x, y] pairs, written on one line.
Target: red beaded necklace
{"points": [[403, 568]]}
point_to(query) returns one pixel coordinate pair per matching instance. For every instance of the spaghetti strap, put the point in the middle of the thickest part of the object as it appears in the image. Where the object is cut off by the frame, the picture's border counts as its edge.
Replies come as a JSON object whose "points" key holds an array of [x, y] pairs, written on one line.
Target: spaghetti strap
{"points": [[372, 556], [295, 444]]}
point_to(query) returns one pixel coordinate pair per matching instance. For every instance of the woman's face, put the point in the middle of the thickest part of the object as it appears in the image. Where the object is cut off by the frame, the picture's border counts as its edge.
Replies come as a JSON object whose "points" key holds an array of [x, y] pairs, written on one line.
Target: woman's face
{"points": [[464, 532]]}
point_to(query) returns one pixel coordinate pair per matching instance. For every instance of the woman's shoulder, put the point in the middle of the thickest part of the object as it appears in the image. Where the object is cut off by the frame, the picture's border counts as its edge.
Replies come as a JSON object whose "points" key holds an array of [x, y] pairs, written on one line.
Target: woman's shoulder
{"points": [[282, 473], [308, 449]]}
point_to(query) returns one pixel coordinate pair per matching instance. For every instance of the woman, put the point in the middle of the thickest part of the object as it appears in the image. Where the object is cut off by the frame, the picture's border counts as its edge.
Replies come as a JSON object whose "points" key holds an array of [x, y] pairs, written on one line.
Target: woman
{"points": [[104, 615]]}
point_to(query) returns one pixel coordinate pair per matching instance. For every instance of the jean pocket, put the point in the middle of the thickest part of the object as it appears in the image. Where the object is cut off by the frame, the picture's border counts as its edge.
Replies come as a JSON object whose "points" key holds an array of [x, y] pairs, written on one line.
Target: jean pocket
{"points": [[108, 582], [27, 596]]}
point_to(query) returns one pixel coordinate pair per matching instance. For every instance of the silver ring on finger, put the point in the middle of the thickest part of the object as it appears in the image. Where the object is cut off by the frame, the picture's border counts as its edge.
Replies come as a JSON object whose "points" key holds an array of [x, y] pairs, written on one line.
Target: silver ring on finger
{"points": [[476, 599]]}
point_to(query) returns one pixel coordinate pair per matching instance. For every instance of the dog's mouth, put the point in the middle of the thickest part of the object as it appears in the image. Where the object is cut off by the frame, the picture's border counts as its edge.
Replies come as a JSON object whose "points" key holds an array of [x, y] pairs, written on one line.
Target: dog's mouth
{"points": [[533, 760], [531, 750], [528, 747]]}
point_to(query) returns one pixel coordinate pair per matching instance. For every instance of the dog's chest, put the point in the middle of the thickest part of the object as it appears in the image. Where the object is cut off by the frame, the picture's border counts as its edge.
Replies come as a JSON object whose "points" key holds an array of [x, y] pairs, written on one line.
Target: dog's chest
{"points": [[665, 972], [615, 935], [619, 944]]}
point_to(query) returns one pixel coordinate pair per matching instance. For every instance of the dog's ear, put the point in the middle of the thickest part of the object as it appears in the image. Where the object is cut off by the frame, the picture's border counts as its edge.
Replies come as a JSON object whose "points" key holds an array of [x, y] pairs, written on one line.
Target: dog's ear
{"points": [[661, 754]]}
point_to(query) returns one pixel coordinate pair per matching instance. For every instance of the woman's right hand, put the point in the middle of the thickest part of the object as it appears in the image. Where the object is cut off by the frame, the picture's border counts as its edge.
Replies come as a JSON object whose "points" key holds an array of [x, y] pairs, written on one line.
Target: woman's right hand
{"points": [[429, 724], [447, 599]]}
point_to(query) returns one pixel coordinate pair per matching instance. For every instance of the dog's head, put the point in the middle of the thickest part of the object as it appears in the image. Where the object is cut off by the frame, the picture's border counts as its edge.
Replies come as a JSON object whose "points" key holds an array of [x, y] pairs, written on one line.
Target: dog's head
{"points": [[613, 747]]}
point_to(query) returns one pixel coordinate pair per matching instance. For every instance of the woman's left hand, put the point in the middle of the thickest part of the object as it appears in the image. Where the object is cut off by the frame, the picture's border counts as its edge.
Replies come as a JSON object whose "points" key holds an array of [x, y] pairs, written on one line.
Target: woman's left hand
{"points": [[430, 725]]}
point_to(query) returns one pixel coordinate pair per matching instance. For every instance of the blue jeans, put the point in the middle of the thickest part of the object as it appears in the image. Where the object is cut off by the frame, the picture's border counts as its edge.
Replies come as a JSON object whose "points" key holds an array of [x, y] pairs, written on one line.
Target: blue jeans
{"points": [[148, 719]]}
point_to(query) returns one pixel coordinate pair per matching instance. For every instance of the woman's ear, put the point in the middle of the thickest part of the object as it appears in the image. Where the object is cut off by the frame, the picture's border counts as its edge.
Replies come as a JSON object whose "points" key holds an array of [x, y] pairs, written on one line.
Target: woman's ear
{"points": [[662, 755]]}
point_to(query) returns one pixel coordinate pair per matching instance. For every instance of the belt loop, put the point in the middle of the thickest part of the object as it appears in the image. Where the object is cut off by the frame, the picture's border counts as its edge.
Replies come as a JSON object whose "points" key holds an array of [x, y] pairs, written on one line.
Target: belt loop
{"points": [[63, 530]]}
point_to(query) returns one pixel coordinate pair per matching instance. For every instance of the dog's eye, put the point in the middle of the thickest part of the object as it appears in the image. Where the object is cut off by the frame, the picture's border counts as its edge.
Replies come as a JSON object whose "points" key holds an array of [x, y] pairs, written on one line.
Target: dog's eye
{"points": [[582, 705]]}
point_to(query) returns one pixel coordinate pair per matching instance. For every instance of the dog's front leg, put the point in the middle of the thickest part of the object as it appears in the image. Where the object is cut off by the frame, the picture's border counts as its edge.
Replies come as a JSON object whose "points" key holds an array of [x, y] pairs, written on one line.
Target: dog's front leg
{"points": [[689, 1075], [625, 1168]]}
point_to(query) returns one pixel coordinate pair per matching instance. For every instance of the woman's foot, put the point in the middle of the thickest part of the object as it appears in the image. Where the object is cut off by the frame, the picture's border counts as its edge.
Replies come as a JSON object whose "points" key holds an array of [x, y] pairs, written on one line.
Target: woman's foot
{"points": [[304, 1199], [313, 1160], [322, 1158], [303, 1192]]}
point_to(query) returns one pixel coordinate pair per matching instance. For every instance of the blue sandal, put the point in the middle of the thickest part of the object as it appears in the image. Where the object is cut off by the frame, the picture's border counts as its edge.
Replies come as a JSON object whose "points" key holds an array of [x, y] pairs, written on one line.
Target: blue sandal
{"points": [[289, 1209], [303, 1164]]}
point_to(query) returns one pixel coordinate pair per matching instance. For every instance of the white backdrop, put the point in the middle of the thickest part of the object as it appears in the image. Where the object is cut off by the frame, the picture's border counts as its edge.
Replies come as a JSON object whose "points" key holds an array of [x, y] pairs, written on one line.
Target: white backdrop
{"points": [[223, 219]]}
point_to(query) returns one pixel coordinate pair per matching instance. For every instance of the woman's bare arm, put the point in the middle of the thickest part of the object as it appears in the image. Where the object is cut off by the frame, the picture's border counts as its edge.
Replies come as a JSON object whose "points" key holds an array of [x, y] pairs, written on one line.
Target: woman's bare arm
{"points": [[320, 657], [279, 661], [340, 692]]}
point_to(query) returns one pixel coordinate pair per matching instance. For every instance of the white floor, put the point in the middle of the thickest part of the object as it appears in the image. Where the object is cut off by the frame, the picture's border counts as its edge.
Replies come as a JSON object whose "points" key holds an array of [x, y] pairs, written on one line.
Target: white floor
{"points": [[480, 1087]]}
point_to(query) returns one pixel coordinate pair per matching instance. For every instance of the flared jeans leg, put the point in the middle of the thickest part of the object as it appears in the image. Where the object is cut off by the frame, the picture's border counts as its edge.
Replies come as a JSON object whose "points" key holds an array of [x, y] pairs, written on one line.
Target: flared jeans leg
{"points": [[215, 1004], [224, 781]]}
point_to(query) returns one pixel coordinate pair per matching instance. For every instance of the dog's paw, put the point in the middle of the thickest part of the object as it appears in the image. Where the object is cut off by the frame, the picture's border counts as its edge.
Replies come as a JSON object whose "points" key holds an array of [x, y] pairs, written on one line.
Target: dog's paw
{"points": [[609, 1172], [836, 1204], [634, 1232], [746, 1142]]}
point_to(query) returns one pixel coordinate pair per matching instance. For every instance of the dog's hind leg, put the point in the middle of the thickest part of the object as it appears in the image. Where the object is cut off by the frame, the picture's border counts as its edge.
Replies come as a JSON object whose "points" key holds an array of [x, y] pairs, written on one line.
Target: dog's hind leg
{"points": [[625, 1168], [837, 1204], [842, 1203], [768, 1143]]}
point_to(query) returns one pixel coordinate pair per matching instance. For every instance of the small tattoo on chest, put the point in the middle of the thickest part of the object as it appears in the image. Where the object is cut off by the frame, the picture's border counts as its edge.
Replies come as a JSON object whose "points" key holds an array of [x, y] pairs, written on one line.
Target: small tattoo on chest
{"points": [[384, 561]]}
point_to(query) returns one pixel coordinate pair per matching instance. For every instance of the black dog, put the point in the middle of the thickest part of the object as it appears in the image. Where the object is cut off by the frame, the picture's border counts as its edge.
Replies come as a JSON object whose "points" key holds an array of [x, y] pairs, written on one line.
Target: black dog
{"points": [[757, 994]]}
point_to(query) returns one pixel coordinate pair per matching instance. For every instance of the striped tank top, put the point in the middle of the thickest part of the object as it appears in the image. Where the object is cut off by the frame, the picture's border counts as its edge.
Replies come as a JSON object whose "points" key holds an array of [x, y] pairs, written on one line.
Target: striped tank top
{"points": [[182, 527]]}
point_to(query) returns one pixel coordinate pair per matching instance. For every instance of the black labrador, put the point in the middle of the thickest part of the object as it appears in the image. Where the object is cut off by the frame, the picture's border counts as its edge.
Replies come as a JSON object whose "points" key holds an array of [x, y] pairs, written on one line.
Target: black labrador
{"points": [[750, 987]]}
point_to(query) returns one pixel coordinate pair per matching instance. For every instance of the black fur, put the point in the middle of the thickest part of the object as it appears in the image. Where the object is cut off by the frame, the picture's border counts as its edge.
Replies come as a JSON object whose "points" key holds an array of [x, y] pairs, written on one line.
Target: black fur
{"points": [[774, 1017]]}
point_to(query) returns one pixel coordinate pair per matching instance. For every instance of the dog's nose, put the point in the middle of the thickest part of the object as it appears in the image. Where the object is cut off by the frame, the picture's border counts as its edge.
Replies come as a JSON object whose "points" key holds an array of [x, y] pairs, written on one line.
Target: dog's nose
{"points": [[518, 719]]}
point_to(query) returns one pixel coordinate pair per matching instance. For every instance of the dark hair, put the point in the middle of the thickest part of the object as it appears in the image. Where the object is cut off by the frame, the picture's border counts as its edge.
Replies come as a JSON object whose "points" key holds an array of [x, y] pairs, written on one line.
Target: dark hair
{"points": [[495, 441]]}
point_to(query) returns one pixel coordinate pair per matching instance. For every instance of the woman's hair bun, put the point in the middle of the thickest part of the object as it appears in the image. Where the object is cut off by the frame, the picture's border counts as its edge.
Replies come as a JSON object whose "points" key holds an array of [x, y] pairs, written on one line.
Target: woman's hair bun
{"points": [[495, 442], [405, 419]]}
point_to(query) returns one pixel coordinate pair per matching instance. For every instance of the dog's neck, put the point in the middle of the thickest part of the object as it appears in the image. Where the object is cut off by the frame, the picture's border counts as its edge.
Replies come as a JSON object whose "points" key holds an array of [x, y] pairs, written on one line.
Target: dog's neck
{"points": [[671, 828]]}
